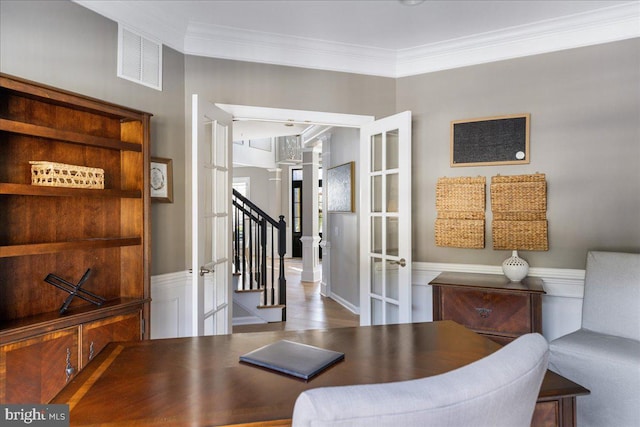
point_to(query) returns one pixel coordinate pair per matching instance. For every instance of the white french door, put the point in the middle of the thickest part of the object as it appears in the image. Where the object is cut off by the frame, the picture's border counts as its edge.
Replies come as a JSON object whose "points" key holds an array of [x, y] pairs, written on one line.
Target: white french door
{"points": [[385, 220], [211, 233]]}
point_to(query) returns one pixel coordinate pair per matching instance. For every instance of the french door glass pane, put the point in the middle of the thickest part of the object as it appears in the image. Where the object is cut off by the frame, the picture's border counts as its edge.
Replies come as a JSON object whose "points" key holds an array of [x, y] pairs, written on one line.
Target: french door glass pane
{"points": [[221, 190], [376, 193], [221, 238], [393, 313], [391, 281], [376, 153], [376, 312], [220, 159], [392, 150], [376, 276], [392, 192], [392, 233], [376, 235]]}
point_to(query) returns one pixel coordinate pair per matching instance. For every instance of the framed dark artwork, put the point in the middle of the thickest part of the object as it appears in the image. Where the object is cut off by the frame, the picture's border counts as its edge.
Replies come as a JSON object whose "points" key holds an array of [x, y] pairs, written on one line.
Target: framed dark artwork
{"points": [[499, 140], [340, 191], [161, 181]]}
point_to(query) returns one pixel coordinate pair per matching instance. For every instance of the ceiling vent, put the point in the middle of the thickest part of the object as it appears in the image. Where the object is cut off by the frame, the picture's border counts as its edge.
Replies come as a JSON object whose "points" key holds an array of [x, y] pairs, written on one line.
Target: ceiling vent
{"points": [[139, 58]]}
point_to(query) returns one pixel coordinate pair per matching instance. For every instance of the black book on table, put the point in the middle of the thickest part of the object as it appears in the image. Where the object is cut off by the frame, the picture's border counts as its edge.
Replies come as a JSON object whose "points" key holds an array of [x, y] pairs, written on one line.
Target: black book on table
{"points": [[292, 358]]}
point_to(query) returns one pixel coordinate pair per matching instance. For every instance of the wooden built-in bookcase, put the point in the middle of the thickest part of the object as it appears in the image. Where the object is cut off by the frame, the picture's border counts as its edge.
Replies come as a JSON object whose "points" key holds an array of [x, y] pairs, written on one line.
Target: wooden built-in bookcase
{"points": [[65, 231]]}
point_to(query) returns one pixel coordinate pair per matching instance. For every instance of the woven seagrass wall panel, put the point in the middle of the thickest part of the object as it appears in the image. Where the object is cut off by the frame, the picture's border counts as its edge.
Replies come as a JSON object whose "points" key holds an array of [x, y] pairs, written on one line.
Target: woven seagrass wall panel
{"points": [[460, 203], [519, 207]]}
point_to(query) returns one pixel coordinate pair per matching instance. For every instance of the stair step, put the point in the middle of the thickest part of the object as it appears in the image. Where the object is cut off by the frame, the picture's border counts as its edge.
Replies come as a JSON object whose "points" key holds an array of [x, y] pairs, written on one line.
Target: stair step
{"points": [[260, 307], [240, 291]]}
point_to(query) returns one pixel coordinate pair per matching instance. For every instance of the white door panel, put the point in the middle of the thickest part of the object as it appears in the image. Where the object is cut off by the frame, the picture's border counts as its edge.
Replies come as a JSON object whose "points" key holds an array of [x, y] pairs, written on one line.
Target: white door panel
{"points": [[211, 201], [385, 220]]}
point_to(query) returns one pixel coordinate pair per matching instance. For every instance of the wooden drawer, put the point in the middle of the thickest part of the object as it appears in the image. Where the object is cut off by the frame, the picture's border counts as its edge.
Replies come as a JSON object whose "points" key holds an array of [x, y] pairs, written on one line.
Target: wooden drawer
{"points": [[492, 312], [546, 414], [34, 370], [96, 335]]}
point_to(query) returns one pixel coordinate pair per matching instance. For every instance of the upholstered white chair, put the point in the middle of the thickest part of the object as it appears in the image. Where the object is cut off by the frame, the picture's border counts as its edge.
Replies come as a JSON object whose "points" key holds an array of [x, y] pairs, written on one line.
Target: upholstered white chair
{"points": [[604, 354], [498, 390]]}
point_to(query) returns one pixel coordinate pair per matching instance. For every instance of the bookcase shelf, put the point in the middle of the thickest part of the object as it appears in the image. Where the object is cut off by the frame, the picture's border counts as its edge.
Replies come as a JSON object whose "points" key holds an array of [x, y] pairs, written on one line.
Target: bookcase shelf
{"points": [[65, 231], [34, 190], [53, 247], [66, 136]]}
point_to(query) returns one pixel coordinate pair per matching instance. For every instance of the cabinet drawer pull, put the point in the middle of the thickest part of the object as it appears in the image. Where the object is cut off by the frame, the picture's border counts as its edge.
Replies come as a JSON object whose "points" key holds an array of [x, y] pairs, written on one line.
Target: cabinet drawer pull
{"points": [[69, 370], [91, 350], [483, 312]]}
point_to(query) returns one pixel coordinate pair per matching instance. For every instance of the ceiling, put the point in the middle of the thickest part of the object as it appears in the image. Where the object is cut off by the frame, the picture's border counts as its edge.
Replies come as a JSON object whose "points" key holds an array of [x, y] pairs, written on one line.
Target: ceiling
{"points": [[379, 37]]}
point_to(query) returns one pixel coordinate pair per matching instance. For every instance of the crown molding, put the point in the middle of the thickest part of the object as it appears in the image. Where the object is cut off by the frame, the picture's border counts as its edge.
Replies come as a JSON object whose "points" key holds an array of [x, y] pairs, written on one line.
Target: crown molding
{"points": [[605, 25], [255, 46], [590, 28]]}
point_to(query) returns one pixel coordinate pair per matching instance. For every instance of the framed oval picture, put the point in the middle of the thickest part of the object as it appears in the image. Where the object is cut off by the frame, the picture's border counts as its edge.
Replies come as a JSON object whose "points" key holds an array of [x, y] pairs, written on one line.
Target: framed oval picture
{"points": [[161, 180]]}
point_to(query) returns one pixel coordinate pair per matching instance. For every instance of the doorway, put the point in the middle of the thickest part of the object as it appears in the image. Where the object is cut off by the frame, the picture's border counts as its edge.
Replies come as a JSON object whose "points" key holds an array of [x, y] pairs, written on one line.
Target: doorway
{"points": [[282, 116]]}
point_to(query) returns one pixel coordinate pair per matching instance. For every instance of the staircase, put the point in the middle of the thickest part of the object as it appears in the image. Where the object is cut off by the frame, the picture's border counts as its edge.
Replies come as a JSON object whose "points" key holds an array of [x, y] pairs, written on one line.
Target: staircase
{"points": [[259, 246]]}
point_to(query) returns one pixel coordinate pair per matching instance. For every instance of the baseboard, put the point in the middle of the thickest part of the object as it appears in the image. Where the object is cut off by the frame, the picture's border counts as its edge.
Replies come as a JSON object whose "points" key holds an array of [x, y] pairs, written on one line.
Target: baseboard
{"points": [[346, 304], [247, 320]]}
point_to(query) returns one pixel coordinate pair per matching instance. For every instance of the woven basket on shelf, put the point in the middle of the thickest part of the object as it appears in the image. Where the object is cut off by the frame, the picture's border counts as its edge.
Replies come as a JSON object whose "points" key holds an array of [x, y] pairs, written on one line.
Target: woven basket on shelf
{"points": [[62, 175]]}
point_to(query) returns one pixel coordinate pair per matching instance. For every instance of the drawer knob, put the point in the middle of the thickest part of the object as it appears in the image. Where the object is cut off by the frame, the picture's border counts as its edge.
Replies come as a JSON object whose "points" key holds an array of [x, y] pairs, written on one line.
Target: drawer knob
{"points": [[69, 370], [483, 312]]}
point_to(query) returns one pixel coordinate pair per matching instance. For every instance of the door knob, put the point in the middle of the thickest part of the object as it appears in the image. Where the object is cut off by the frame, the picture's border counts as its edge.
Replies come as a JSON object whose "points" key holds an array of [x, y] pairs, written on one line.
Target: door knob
{"points": [[402, 262], [203, 271]]}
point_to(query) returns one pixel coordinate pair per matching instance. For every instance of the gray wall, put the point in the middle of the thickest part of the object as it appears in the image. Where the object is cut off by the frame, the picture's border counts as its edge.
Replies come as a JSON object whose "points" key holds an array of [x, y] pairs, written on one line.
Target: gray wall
{"points": [[343, 227], [65, 45], [585, 136], [260, 186]]}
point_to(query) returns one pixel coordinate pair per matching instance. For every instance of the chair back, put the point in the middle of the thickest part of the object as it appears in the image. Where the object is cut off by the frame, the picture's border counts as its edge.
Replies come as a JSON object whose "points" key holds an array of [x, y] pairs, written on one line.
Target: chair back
{"points": [[498, 390], [612, 294]]}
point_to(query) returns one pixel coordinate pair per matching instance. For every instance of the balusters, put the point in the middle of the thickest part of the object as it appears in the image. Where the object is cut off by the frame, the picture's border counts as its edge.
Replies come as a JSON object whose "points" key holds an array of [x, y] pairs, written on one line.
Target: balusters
{"points": [[252, 250]]}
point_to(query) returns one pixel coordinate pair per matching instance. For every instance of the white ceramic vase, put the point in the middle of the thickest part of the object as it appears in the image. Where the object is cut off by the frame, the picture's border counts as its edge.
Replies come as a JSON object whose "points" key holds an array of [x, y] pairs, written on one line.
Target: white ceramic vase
{"points": [[515, 268]]}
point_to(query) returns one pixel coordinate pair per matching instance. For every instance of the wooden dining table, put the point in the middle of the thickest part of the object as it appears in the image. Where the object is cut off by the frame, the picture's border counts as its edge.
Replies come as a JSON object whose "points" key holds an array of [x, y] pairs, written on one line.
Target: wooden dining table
{"points": [[199, 381]]}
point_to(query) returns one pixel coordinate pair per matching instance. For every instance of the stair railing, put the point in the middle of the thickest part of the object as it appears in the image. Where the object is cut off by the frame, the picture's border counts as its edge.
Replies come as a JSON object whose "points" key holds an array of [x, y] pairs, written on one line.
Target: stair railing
{"points": [[257, 237]]}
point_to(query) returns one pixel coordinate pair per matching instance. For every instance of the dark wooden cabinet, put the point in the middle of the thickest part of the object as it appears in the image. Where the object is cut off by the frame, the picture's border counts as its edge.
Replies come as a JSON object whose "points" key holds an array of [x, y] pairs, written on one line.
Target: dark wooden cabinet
{"points": [[489, 304], [67, 230]]}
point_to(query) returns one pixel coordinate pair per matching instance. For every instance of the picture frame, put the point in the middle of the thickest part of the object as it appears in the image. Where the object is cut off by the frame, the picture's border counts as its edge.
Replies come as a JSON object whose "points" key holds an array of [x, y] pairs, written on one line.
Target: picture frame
{"points": [[161, 180], [490, 141], [340, 192]]}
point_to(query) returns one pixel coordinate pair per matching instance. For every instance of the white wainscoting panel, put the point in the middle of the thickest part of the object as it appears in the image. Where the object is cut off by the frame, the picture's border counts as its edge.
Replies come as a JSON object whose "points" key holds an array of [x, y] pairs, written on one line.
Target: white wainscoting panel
{"points": [[171, 305]]}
